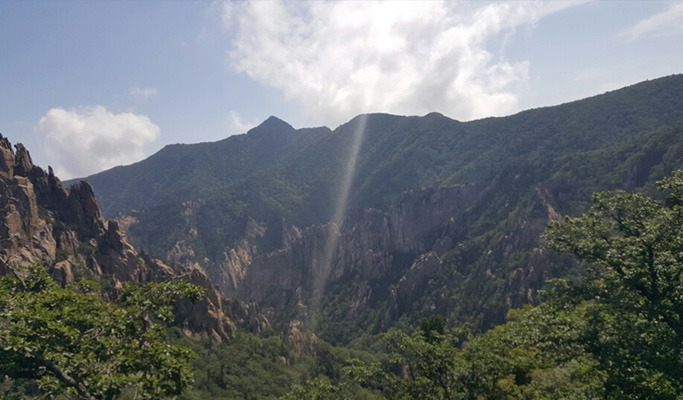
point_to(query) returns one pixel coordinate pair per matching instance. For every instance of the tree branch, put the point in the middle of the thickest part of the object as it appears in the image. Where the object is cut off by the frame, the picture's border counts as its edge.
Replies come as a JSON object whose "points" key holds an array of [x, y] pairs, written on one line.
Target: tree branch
{"points": [[14, 272], [67, 380]]}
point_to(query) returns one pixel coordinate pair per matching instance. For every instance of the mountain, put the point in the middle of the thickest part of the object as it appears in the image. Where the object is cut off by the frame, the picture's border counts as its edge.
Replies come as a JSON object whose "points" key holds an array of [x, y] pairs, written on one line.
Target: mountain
{"points": [[184, 172], [41, 221], [440, 216]]}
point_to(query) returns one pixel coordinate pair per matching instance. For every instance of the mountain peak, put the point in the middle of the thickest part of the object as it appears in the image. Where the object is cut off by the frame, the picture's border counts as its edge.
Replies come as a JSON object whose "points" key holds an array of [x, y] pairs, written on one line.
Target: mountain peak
{"points": [[272, 124]]}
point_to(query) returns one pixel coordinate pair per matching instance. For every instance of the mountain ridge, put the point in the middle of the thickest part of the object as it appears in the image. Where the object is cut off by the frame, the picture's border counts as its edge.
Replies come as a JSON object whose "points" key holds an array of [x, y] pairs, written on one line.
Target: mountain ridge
{"points": [[199, 162], [527, 169], [107, 179]]}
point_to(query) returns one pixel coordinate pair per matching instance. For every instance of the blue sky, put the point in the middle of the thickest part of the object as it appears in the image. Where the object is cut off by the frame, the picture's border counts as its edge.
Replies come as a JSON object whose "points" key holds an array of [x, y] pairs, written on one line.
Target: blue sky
{"points": [[89, 85]]}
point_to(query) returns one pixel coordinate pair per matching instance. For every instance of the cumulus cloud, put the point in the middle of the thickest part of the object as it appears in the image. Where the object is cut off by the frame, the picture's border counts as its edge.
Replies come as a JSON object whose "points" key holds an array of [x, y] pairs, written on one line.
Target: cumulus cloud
{"points": [[338, 59], [141, 95], [664, 23], [85, 140]]}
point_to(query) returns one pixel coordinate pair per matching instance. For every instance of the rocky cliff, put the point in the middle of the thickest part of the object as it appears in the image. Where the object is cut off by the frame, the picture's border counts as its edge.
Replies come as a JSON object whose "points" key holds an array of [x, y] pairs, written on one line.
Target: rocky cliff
{"points": [[41, 220], [390, 263]]}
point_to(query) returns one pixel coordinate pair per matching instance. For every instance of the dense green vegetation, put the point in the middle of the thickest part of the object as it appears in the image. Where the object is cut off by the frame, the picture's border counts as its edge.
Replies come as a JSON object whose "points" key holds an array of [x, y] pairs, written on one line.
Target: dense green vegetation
{"points": [[72, 342], [615, 332], [612, 331], [252, 367], [277, 172], [181, 172], [473, 284]]}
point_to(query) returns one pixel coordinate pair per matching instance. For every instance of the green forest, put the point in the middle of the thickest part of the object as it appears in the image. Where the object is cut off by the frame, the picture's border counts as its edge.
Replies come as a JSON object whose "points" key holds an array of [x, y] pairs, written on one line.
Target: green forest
{"points": [[612, 330]]}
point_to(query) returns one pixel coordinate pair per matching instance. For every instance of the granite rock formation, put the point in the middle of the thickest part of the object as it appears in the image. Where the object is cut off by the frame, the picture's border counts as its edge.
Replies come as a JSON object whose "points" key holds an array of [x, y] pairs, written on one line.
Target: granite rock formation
{"points": [[393, 256]]}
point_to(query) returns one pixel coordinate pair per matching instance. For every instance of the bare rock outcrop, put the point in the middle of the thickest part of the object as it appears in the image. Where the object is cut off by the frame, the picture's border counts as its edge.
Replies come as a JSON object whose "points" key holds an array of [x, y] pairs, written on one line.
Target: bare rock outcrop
{"points": [[24, 236], [400, 248], [380, 244]]}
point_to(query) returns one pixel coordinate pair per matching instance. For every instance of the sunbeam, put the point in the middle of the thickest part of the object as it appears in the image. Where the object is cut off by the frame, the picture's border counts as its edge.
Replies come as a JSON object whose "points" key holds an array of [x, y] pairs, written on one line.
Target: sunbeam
{"points": [[322, 274]]}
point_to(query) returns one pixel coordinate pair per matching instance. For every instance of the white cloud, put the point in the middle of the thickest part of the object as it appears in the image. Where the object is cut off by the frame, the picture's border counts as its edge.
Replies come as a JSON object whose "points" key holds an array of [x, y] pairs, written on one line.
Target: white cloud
{"points": [[85, 140], [236, 125], [665, 23], [338, 59], [141, 95]]}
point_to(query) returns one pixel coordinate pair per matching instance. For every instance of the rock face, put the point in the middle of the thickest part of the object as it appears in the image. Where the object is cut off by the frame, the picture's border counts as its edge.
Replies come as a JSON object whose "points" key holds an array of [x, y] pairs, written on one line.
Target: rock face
{"points": [[24, 236], [392, 258], [40, 220], [423, 220]]}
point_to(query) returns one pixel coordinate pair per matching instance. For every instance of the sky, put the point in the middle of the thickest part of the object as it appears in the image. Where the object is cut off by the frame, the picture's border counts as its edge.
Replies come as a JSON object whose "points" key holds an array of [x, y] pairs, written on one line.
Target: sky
{"points": [[89, 85]]}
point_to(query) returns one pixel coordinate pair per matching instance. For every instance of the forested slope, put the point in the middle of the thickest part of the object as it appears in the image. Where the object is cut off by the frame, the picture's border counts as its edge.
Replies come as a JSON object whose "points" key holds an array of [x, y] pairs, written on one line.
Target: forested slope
{"points": [[262, 229]]}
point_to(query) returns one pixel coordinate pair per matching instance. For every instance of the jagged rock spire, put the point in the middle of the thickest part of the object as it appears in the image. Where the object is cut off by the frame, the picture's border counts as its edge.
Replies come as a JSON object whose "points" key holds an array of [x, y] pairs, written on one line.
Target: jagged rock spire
{"points": [[23, 163]]}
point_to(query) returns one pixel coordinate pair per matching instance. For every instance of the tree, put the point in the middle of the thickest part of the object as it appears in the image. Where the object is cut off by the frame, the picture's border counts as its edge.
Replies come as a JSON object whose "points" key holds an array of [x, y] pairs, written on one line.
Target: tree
{"points": [[72, 342], [537, 354], [317, 389], [424, 365], [634, 248]]}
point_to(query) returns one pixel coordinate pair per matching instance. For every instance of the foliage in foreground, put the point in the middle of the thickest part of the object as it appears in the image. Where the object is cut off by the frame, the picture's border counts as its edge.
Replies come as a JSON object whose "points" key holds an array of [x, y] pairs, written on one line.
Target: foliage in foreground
{"points": [[72, 342], [252, 367], [634, 245]]}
